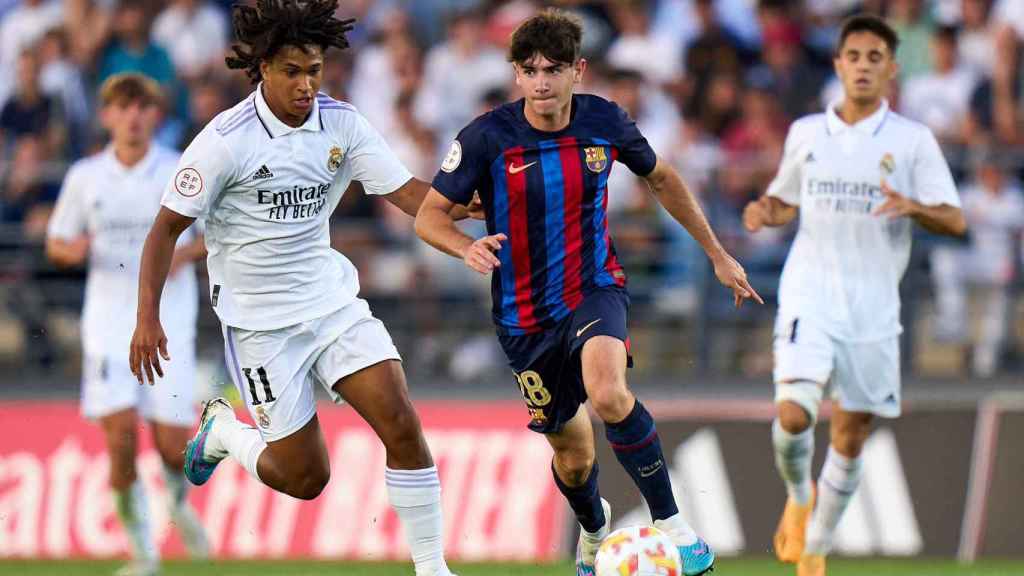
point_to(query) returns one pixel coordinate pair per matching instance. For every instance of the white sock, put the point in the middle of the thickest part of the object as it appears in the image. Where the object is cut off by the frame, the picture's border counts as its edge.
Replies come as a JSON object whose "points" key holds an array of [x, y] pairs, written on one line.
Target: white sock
{"points": [[184, 516], [416, 497], [839, 479], [793, 454], [678, 529], [133, 511], [243, 442]]}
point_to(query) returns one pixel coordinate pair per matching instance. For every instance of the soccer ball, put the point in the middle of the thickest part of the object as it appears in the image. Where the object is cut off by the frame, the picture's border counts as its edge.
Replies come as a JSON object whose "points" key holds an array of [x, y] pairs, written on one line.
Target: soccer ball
{"points": [[638, 551]]}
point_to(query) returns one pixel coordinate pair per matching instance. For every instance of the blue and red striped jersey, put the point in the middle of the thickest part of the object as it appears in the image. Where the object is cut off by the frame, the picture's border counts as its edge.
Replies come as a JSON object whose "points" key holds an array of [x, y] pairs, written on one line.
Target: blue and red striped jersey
{"points": [[548, 192]]}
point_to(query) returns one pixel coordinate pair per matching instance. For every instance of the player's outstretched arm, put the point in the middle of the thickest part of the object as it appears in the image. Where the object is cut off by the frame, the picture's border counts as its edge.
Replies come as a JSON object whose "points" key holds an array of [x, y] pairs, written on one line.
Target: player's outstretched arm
{"points": [[410, 197], [940, 219], [767, 211], [670, 190], [436, 226], [157, 254], [194, 251], [68, 253]]}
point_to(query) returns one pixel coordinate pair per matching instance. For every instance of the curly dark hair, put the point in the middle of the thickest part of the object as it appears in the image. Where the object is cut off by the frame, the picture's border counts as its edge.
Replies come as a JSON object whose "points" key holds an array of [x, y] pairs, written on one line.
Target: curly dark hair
{"points": [[555, 34], [264, 29]]}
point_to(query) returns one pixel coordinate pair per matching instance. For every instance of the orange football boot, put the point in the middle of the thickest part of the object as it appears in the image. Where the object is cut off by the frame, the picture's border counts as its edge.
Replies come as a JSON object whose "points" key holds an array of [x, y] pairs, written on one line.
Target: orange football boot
{"points": [[811, 565], [792, 531]]}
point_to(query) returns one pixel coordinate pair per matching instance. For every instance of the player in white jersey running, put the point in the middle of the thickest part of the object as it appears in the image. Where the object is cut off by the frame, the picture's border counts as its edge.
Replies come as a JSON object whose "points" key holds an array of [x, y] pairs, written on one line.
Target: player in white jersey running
{"points": [[859, 176], [266, 175], [103, 213]]}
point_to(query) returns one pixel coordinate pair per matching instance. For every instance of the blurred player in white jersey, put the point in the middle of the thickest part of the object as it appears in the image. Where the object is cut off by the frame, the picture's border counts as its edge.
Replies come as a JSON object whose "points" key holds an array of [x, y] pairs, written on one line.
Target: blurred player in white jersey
{"points": [[105, 209], [859, 176], [266, 175]]}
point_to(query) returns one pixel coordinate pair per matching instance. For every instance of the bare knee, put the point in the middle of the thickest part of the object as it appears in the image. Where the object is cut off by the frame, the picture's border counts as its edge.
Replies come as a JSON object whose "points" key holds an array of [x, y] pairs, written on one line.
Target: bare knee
{"points": [[172, 452], [573, 465], [310, 483], [173, 459], [121, 444], [611, 399], [403, 438], [792, 417], [850, 434]]}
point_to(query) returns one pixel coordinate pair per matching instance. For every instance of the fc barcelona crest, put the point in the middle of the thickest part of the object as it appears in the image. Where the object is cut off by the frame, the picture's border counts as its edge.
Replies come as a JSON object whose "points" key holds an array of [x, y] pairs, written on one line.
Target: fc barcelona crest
{"points": [[334, 159], [597, 160], [888, 164]]}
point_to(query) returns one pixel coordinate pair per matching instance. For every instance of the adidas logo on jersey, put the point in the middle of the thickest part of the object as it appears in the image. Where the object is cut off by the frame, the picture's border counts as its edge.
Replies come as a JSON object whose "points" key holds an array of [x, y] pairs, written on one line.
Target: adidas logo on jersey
{"points": [[810, 157], [263, 173]]}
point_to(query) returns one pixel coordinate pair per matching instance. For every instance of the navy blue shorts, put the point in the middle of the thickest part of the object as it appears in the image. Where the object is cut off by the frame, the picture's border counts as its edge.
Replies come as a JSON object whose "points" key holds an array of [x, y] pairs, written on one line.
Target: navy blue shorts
{"points": [[547, 364]]}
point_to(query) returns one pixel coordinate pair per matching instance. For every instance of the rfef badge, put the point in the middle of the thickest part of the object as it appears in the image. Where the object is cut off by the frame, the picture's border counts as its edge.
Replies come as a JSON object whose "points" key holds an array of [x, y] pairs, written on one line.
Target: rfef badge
{"points": [[597, 160]]}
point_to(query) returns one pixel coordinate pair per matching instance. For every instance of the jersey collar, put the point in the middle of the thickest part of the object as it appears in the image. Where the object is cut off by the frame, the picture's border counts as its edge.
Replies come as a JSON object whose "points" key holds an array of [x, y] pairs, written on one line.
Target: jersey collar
{"points": [[275, 128], [140, 167], [869, 126]]}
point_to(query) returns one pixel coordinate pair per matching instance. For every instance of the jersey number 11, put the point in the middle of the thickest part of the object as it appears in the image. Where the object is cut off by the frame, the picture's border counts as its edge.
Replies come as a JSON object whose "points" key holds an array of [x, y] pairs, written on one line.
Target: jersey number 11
{"points": [[262, 373]]}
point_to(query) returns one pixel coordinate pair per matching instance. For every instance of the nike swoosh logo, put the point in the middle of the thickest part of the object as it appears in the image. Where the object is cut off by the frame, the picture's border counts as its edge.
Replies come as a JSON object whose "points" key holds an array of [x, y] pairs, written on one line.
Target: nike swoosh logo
{"points": [[584, 329], [513, 169], [649, 473]]}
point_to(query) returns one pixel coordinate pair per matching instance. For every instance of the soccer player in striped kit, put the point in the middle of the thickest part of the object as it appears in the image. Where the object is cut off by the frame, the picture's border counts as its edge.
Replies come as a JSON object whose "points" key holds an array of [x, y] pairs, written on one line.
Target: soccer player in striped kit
{"points": [[541, 167]]}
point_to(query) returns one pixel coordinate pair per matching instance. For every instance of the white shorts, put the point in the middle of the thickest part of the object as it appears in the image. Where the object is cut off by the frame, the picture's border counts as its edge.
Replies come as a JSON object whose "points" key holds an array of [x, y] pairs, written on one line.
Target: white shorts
{"points": [[108, 386], [865, 376], [274, 370]]}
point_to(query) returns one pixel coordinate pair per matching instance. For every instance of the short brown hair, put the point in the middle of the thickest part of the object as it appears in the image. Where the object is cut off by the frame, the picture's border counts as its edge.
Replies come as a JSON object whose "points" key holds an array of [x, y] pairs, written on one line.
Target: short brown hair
{"points": [[868, 23], [130, 87], [555, 34]]}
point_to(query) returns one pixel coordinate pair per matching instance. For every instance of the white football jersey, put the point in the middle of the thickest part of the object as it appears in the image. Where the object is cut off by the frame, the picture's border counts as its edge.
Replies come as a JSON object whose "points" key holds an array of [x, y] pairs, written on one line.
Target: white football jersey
{"points": [[267, 191], [844, 268], [115, 206]]}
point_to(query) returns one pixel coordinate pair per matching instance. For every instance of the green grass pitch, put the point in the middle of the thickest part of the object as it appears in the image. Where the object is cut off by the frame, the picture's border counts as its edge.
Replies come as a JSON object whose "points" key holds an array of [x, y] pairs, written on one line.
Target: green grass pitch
{"points": [[725, 567]]}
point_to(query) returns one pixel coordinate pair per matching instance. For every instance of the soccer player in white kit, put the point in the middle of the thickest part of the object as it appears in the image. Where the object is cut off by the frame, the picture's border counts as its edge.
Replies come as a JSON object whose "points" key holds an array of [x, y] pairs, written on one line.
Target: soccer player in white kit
{"points": [[105, 208], [266, 175], [859, 176]]}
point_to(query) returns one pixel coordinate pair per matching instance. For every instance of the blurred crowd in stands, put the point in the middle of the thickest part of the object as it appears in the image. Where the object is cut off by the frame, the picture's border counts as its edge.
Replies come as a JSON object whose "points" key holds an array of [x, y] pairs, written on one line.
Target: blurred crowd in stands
{"points": [[713, 84]]}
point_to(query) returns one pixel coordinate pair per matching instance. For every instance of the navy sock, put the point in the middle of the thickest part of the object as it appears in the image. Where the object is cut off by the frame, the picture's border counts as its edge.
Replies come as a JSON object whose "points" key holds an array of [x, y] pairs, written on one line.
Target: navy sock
{"points": [[584, 500], [638, 448]]}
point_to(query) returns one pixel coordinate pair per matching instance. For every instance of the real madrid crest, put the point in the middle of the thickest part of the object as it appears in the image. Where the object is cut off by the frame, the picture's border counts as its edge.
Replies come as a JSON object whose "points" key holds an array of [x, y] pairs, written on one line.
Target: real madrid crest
{"points": [[888, 164], [334, 159], [262, 418], [597, 160]]}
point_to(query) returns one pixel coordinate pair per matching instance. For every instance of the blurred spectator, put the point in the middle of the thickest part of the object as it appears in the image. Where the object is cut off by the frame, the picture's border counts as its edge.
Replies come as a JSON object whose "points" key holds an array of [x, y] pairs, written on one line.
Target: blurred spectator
{"points": [[679, 18], [910, 20], [720, 105], [994, 208], [457, 74], [132, 50], [30, 186], [713, 48], [61, 80], [940, 99], [194, 33], [638, 47], [753, 143], [207, 99], [976, 45], [1008, 21], [30, 112], [383, 70], [20, 28], [87, 24], [658, 121], [797, 83]]}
